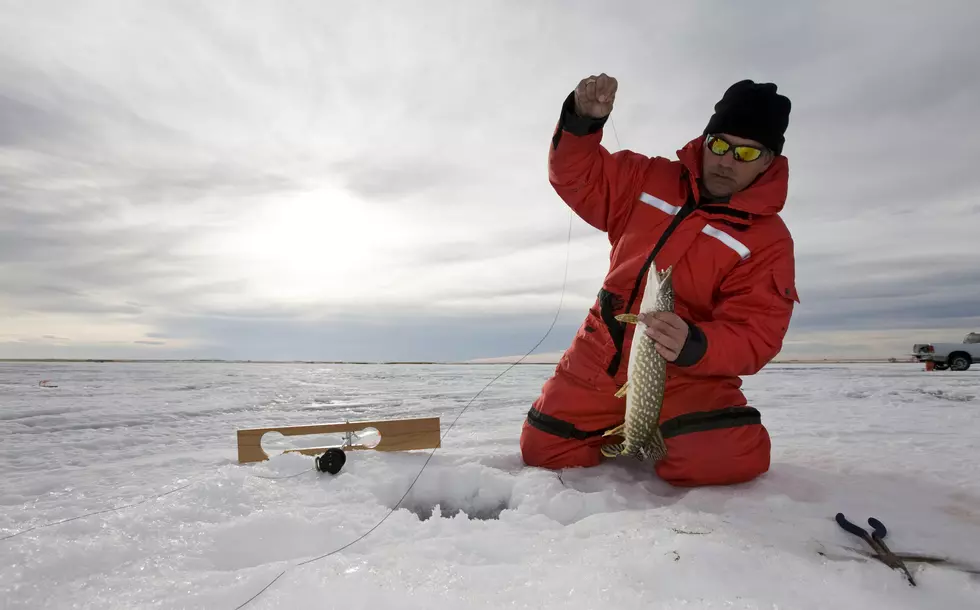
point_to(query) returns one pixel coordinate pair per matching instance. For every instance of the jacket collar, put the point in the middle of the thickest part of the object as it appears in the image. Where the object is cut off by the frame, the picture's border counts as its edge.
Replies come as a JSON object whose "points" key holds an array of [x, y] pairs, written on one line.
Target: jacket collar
{"points": [[764, 197]]}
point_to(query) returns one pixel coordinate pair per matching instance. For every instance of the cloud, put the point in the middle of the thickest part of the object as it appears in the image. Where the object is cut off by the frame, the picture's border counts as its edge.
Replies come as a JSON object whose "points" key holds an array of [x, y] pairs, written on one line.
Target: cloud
{"points": [[387, 178], [27, 125], [191, 178]]}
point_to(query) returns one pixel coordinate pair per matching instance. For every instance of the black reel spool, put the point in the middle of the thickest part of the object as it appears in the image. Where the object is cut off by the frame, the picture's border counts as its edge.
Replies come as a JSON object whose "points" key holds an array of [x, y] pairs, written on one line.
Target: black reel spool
{"points": [[331, 461]]}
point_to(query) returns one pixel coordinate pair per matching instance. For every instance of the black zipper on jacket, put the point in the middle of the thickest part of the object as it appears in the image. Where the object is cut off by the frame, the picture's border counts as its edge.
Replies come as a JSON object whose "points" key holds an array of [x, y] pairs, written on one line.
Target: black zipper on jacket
{"points": [[617, 329]]}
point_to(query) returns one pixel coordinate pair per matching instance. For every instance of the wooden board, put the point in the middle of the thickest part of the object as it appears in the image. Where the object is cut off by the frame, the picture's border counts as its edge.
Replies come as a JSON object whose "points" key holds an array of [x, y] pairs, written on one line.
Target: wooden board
{"points": [[396, 435]]}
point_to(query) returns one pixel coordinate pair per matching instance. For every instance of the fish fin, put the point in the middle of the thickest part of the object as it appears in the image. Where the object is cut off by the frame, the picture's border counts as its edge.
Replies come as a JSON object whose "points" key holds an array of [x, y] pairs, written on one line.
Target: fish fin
{"points": [[617, 431], [659, 451], [621, 392], [611, 451], [629, 318]]}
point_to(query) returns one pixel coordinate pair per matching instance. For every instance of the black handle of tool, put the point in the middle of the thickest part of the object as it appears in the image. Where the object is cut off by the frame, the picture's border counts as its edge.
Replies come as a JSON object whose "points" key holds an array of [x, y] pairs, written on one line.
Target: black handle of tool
{"points": [[879, 527], [851, 528]]}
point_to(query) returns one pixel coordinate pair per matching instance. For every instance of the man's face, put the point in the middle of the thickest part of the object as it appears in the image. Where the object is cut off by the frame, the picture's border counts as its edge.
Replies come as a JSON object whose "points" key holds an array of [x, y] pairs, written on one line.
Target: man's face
{"points": [[723, 175]]}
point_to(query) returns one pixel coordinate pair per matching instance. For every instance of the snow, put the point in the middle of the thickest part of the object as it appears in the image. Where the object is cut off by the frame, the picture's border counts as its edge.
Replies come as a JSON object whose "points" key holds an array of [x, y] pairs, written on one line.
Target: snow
{"points": [[478, 530]]}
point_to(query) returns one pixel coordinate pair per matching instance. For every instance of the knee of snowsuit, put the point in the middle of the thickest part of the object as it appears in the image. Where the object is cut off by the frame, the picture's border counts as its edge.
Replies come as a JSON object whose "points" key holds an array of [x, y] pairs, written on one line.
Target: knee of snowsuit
{"points": [[718, 446], [734, 284], [715, 457]]}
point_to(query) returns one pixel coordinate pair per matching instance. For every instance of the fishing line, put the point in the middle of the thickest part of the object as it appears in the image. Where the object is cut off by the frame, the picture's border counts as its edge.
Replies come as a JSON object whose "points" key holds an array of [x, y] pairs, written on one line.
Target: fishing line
{"points": [[98, 512], [417, 476], [288, 476], [561, 300]]}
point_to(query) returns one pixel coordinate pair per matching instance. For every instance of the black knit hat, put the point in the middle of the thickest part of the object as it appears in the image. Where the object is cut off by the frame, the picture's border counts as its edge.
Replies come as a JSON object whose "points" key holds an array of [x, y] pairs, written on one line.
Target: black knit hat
{"points": [[752, 110]]}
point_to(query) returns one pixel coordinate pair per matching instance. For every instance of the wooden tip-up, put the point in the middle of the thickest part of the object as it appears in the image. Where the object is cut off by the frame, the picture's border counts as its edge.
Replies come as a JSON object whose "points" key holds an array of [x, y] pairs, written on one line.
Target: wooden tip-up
{"points": [[396, 435]]}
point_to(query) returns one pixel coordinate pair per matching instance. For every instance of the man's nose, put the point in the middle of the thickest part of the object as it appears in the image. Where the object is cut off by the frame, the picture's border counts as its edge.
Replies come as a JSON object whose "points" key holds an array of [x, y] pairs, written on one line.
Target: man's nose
{"points": [[728, 160]]}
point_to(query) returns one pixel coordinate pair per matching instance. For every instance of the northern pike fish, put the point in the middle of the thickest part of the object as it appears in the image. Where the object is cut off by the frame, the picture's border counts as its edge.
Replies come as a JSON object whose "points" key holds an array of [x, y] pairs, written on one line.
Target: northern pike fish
{"points": [[646, 378]]}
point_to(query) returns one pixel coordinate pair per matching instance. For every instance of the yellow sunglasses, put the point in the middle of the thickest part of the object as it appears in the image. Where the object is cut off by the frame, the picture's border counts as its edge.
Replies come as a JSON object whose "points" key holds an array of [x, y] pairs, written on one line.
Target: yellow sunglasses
{"points": [[720, 146]]}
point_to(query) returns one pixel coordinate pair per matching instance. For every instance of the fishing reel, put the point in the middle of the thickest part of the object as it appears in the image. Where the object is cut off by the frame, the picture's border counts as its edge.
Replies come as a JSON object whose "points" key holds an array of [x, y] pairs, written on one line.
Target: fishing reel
{"points": [[334, 458], [331, 461]]}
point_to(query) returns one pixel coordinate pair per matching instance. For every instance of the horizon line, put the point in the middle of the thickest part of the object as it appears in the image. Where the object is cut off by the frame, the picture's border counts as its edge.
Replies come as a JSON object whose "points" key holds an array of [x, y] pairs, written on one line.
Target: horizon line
{"points": [[502, 360]]}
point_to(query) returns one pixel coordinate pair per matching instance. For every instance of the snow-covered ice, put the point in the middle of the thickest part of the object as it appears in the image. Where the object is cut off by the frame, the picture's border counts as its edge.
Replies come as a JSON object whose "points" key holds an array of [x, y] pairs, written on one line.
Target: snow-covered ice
{"points": [[478, 530]]}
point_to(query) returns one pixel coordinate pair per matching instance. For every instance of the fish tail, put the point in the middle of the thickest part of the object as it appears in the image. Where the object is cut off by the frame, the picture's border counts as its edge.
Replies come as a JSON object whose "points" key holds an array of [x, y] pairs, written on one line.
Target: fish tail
{"points": [[614, 449], [611, 451]]}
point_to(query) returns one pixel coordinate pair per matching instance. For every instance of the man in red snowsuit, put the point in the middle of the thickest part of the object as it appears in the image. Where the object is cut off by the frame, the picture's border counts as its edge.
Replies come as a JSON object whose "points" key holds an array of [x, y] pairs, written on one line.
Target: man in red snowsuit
{"points": [[713, 216]]}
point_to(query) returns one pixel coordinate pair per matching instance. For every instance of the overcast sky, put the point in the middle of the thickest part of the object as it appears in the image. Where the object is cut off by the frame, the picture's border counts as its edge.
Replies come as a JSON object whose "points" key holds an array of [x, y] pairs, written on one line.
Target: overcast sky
{"points": [[368, 180]]}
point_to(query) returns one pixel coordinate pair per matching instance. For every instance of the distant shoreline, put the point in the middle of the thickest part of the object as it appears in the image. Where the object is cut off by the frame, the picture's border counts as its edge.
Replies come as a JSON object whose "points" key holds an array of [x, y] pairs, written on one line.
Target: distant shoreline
{"points": [[405, 362]]}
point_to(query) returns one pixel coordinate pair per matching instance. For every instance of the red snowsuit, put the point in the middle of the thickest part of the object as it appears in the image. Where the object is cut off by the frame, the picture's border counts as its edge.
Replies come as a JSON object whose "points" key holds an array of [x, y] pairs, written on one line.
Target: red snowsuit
{"points": [[734, 283]]}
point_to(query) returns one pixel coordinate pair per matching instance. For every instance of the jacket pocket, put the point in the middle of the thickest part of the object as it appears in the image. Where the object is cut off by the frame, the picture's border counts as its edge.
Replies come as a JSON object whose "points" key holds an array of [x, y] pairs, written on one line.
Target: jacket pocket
{"points": [[591, 350], [785, 283]]}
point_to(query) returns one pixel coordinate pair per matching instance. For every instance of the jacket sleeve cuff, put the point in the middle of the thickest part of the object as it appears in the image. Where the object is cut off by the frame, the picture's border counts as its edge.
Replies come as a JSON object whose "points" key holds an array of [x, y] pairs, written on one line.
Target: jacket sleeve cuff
{"points": [[574, 124], [694, 348]]}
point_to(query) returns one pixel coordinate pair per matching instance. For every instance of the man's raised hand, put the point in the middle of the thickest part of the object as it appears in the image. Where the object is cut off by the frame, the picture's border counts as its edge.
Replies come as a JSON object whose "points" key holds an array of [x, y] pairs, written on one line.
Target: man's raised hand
{"points": [[595, 95]]}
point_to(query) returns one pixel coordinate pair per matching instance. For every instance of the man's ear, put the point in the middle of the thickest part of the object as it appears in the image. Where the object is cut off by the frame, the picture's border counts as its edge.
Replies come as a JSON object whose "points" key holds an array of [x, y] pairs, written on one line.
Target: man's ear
{"points": [[771, 156]]}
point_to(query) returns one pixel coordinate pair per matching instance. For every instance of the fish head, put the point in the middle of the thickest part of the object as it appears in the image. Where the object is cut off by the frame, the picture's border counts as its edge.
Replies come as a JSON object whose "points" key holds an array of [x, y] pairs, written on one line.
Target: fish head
{"points": [[665, 290], [659, 290]]}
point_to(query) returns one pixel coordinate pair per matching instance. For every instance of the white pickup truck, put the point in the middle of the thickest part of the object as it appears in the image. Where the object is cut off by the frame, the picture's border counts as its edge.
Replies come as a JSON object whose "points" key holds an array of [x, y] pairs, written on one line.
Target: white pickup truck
{"points": [[953, 356]]}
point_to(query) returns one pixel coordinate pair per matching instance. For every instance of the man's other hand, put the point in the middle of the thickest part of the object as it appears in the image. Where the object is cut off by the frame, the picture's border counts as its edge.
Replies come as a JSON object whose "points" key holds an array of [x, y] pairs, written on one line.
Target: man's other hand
{"points": [[668, 330]]}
